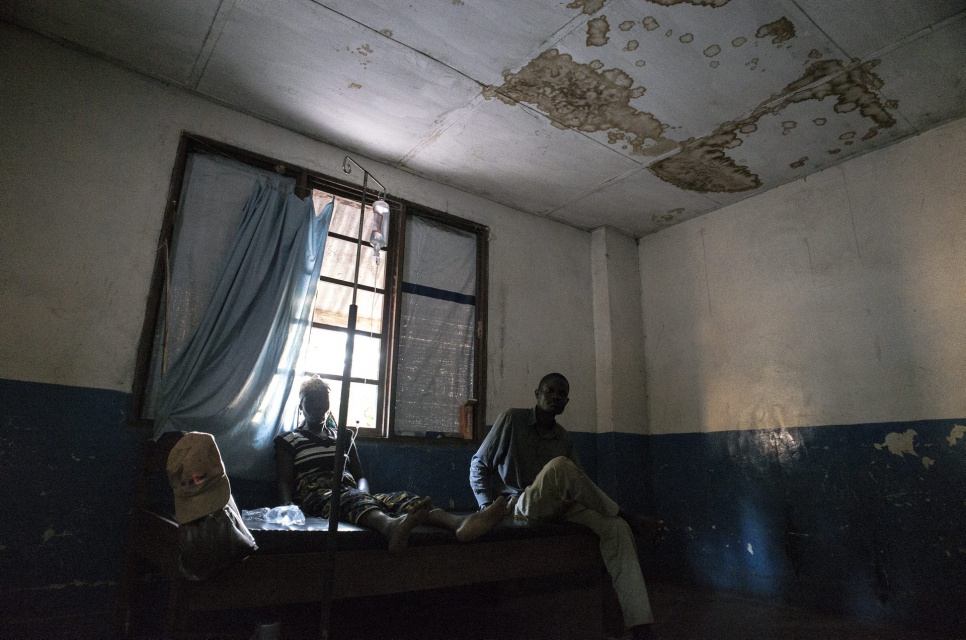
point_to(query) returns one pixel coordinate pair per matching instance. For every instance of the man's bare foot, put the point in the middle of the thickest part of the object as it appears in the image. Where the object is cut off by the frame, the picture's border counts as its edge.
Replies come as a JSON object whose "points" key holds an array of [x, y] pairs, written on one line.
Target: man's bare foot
{"points": [[476, 524], [400, 527]]}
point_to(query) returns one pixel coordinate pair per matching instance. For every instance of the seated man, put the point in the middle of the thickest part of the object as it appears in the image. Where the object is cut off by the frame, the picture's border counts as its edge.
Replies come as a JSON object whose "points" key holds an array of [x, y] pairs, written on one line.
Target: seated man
{"points": [[304, 461], [535, 459]]}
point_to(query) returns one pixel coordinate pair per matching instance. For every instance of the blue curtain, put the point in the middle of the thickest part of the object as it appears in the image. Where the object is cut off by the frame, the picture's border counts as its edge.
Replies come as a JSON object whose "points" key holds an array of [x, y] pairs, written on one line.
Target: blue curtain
{"points": [[234, 376]]}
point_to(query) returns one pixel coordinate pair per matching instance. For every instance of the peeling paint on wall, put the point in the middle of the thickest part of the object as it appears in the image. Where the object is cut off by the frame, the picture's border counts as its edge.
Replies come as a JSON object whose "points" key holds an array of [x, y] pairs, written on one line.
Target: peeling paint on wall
{"points": [[956, 434], [780, 30], [899, 443], [927, 461], [597, 30], [584, 98]]}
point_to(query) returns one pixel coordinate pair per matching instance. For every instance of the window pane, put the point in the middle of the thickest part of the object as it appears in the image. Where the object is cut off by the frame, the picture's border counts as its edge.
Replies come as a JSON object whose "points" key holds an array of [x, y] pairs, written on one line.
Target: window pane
{"points": [[340, 263], [434, 375], [362, 403], [326, 354], [332, 307]]}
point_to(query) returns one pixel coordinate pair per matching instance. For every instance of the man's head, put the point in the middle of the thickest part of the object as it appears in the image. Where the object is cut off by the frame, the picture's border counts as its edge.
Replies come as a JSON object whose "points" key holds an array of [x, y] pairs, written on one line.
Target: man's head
{"points": [[314, 399], [553, 394]]}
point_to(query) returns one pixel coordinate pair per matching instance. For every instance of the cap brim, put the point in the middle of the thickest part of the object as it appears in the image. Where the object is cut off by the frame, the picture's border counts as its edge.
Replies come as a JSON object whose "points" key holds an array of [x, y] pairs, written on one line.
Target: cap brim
{"points": [[213, 498]]}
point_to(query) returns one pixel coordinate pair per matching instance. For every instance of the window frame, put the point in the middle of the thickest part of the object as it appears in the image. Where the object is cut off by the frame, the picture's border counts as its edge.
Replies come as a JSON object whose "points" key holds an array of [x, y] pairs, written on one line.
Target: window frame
{"points": [[400, 211]]}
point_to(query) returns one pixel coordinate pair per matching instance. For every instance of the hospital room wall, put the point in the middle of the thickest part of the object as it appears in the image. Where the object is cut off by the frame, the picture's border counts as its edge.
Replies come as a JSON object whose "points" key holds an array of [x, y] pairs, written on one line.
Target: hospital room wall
{"points": [[805, 351], [86, 155]]}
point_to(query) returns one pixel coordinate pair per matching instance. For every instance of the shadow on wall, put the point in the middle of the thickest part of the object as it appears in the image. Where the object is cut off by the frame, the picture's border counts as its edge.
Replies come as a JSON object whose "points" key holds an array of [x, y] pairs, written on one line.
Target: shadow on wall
{"points": [[860, 520]]}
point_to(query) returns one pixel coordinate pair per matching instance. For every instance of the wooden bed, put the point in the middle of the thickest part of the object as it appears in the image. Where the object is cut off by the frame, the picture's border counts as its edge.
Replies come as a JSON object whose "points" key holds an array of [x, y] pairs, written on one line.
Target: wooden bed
{"points": [[289, 568]]}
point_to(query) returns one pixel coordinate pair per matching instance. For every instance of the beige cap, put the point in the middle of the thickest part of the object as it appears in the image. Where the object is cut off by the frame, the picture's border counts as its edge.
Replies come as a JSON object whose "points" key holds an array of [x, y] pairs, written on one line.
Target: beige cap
{"points": [[197, 477]]}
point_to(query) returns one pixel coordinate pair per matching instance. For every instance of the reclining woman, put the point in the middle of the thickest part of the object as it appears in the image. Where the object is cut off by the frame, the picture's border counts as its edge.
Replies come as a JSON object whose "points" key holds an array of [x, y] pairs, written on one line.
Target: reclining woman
{"points": [[304, 461]]}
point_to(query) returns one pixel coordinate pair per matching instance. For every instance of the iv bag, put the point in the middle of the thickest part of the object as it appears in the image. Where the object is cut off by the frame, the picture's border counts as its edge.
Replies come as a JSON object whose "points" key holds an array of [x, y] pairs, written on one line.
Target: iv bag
{"points": [[380, 228]]}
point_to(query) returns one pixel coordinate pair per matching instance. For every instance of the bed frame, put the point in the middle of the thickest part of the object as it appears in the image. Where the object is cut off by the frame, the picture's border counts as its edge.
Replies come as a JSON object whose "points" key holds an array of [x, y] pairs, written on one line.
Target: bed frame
{"points": [[289, 568]]}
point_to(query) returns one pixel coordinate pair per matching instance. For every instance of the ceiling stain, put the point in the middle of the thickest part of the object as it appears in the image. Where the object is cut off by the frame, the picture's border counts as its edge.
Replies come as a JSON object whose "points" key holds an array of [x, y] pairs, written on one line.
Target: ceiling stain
{"points": [[668, 217], [787, 126], [780, 30], [651, 24], [737, 42], [714, 4], [820, 121], [597, 30], [702, 164], [640, 63], [798, 164], [714, 64], [815, 54], [632, 45], [752, 64], [712, 51], [589, 7], [627, 25], [355, 85], [687, 38], [833, 152], [584, 98]]}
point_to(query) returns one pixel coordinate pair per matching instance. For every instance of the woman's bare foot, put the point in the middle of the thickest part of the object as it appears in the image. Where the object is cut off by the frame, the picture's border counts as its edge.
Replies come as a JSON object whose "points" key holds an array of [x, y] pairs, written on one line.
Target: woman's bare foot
{"points": [[476, 524], [400, 527]]}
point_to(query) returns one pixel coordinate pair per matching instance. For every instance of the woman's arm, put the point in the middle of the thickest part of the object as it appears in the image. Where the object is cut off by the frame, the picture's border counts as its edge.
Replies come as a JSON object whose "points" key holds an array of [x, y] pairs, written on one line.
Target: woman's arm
{"points": [[355, 468], [285, 474]]}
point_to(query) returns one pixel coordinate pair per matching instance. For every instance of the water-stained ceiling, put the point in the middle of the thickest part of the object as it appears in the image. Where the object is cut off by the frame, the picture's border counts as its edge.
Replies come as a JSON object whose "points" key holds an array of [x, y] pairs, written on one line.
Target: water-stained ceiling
{"points": [[635, 114]]}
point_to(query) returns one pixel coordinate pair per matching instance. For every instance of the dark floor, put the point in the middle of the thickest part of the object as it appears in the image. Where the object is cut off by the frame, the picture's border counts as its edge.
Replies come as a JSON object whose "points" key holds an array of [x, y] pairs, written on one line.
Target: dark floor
{"points": [[693, 614], [681, 613]]}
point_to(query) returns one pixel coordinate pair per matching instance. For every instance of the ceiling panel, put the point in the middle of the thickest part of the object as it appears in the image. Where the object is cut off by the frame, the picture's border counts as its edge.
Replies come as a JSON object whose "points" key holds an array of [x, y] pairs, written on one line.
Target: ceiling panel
{"points": [[480, 38], [636, 114], [163, 39], [304, 66], [865, 27], [639, 204], [512, 155]]}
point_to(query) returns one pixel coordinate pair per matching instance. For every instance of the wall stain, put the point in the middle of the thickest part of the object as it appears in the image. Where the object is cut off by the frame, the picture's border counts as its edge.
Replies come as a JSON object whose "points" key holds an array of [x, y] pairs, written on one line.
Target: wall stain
{"points": [[701, 165], [737, 42], [820, 121], [639, 63], [798, 164], [355, 85], [956, 434], [584, 98], [814, 54], [787, 126], [386, 32], [669, 33], [899, 443], [714, 4], [687, 38], [597, 30], [712, 51], [589, 7], [780, 30], [752, 64], [632, 45], [627, 25], [650, 23], [714, 64]]}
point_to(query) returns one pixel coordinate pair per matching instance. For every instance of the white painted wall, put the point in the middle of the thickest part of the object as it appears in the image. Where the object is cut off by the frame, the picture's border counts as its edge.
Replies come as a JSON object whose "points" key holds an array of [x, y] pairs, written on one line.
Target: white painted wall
{"points": [[86, 154], [836, 299], [621, 386]]}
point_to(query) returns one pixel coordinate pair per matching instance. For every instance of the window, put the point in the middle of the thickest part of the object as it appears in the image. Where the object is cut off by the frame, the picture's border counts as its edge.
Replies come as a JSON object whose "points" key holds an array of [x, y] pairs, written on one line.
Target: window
{"points": [[418, 365]]}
